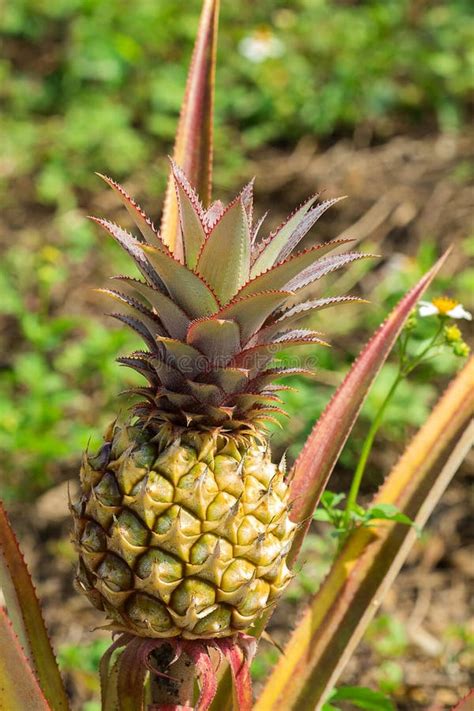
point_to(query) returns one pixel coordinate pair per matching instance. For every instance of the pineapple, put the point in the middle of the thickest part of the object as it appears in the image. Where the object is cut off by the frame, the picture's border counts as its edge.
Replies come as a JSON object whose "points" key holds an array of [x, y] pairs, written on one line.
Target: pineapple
{"points": [[183, 526]]}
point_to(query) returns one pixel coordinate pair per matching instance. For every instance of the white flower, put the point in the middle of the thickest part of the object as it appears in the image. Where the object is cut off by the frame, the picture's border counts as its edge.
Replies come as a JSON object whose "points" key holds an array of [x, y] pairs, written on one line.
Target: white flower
{"points": [[443, 306], [261, 45]]}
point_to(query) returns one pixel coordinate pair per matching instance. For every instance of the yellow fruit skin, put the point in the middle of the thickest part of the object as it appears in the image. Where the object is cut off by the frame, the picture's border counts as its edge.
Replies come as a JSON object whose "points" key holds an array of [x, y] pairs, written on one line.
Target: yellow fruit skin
{"points": [[182, 532]]}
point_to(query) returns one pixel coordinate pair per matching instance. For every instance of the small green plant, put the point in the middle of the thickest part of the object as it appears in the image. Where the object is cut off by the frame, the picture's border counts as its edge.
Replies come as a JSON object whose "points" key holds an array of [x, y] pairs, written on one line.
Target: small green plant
{"points": [[360, 697], [329, 512]]}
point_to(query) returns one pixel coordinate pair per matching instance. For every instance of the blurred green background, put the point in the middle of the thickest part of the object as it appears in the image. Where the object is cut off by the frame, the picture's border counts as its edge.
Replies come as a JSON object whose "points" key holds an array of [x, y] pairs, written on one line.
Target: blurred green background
{"points": [[90, 85]]}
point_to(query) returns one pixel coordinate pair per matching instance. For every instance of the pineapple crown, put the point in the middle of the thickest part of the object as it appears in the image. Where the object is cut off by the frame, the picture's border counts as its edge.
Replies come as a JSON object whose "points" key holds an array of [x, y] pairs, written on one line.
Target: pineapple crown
{"points": [[214, 311]]}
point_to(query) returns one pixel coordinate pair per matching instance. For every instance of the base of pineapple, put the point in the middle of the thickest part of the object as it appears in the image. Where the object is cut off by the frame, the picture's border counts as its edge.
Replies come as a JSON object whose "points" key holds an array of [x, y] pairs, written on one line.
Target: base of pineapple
{"points": [[182, 532]]}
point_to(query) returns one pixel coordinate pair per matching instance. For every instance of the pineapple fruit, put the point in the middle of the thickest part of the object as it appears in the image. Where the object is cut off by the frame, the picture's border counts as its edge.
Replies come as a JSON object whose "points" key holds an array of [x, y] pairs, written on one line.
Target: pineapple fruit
{"points": [[183, 525]]}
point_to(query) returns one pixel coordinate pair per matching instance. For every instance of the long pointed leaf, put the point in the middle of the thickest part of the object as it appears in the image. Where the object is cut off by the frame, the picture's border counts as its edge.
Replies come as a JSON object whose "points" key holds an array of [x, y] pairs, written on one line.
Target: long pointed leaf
{"points": [[280, 276], [323, 446], [19, 688], [183, 357], [139, 311], [108, 679], [331, 627], [242, 683], [269, 250], [173, 318], [206, 675], [137, 326], [301, 311], [134, 248], [142, 221], [193, 146], [305, 225], [189, 291], [131, 678], [224, 261], [217, 338], [24, 611], [322, 267], [190, 217]]}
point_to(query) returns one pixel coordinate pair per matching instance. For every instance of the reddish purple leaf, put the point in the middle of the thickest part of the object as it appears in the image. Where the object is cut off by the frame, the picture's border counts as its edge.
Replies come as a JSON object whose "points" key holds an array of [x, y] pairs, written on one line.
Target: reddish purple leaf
{"points": [[131, 677], [466, 703], [19, 688], [206, 673], [142, 221], [239, 665], [193, 146], [25, 613], [305, 225]]}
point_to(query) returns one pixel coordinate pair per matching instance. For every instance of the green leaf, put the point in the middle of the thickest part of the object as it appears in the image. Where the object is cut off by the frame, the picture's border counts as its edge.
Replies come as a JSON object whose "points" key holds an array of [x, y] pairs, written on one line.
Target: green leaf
{"points": [[330, 499], [322, 515], [184, 357], [134, 248], [216, 338], [269, 254], [387, 512], [142, 316], [333, 623], [323, 267], [173, 318], [224, 262], [229, 379], [305, 309], [190, 292], [364, 698], [141, 220], [190, 214], [281, 274], [250, 312]]}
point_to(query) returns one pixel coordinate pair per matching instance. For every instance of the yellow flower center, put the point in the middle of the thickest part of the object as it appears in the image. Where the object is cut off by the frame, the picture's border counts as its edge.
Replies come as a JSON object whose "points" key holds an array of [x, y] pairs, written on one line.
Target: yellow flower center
{"points": [[263, 34], [444, 304]]}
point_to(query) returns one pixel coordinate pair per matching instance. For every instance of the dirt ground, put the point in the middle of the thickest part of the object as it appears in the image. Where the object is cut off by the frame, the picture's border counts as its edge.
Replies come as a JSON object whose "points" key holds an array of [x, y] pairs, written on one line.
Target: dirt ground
{"points": [[400, 192]]}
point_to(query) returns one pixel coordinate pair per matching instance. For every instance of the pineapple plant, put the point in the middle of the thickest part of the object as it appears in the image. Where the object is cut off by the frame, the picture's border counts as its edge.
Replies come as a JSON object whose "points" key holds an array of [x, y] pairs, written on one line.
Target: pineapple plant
{"points": [[183, 526], [186, 529]]}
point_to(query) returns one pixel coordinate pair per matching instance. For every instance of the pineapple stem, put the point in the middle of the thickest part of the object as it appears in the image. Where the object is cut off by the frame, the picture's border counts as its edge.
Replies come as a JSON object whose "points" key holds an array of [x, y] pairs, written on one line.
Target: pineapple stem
{"points": [[177, 687]]}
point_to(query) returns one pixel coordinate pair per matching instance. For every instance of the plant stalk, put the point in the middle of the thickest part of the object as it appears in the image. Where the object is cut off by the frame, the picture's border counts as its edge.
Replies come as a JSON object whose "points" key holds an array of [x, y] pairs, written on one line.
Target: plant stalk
{"points": [[404, 370], [366, 449], [177, 687]]}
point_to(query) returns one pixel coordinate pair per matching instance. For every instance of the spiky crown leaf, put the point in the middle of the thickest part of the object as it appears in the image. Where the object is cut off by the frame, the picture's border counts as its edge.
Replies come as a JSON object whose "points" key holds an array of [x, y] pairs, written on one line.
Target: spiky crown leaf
{"points": [[213, 318]]}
